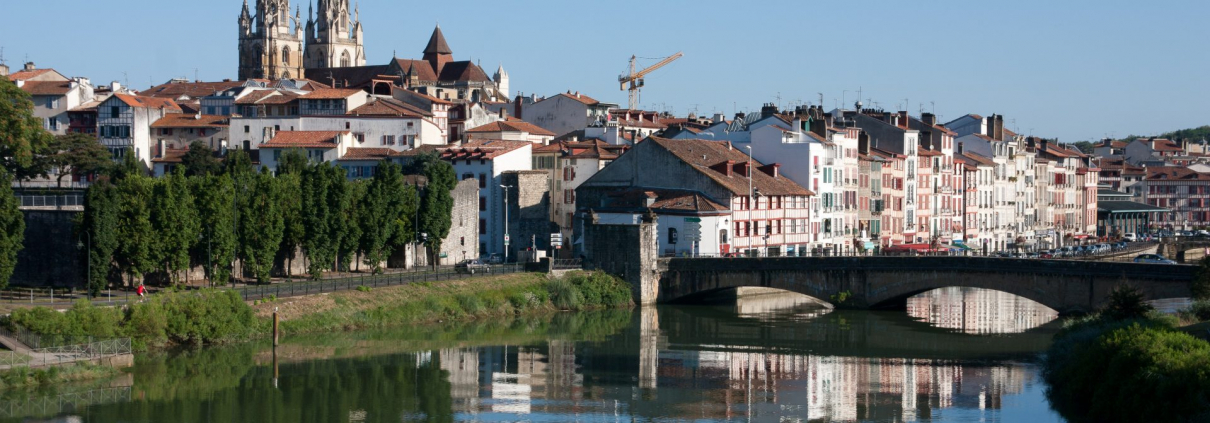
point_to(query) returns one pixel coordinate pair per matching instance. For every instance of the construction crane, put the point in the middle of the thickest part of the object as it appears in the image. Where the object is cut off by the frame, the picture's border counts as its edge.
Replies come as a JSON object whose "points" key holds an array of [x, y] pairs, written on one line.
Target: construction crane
{"points": [[635, 79]]}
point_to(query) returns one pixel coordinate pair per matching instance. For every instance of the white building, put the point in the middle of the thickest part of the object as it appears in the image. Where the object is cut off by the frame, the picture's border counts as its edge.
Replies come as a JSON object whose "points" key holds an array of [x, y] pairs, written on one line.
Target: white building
{"points": [[124, 124], [565, 113], [486, 160]]}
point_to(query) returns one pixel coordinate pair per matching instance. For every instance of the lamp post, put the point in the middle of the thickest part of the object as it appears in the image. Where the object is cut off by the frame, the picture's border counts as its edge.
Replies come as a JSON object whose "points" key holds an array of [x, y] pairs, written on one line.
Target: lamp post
{"points": [[506, 187]]}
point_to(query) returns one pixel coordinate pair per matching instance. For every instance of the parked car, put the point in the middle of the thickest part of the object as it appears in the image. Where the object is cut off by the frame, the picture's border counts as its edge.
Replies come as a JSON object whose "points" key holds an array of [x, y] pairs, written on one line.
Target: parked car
{"points": [[1130, 237], [492, 259], [1203, 232], [470, 267], [1152, 259]]}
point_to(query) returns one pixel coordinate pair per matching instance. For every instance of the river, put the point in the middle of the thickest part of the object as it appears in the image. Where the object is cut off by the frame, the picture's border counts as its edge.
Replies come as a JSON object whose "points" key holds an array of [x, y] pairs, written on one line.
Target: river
{"points": [[955, 355]]}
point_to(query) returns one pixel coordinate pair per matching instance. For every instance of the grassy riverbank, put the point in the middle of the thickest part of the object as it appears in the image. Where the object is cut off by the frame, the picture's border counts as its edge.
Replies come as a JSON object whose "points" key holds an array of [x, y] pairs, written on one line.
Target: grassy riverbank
{"points": [[1135, 366], [25, 377], [216, 316]]}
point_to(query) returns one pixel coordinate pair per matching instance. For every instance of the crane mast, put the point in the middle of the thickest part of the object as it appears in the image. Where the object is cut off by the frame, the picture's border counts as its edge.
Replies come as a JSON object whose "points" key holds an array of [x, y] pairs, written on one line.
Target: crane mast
{"points": [[635, 79]]}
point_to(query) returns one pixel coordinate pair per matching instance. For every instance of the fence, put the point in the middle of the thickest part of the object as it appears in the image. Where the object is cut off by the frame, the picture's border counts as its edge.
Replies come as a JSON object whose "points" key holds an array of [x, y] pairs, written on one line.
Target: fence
{"points": [[284, 290], [71, 402], [40, 357], [567, 264], [1113, 255]]}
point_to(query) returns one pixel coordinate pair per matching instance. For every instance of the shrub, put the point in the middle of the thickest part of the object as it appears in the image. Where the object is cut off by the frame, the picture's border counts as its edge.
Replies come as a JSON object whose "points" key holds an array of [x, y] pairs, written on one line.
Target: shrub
{"points": [[1199, 288], [565, 295], [1200, 309], [470, 304], [363, 288], [1128, 371], [1126, 302]]}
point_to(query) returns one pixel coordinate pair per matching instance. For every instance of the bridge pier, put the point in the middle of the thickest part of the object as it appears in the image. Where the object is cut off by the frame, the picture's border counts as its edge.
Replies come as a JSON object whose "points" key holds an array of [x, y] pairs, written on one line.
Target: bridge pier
{"points": [[627, 250]]}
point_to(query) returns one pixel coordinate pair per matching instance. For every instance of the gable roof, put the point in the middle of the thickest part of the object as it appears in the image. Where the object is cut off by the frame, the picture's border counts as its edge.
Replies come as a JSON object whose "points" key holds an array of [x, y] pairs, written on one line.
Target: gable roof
{"points": [[976, 159], [182, 120], [331, 94], [464, 71], [1171, 173], [511, 125], [703, 155], [190, 89], [22, 75], [389, 107], [354, 153], [588, 149], [304, 139], [481, 149], [147, 102], [664, 199], [589, 101], [46, 87]]}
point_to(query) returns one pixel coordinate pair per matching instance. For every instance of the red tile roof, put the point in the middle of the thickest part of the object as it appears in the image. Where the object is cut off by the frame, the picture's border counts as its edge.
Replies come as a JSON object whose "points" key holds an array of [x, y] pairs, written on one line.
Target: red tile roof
{"points": [[481, 149], [704, 155], [664, 199], [1163, 144], [171, 155], [331, 94], [1171, 173], [24, 74], [511, 125], [46, 87], [389, 107], [577, 97], [182, 120], [304, 139], [190, 89], [591, 149], [147, 102], [369, 153], [976, 159]]}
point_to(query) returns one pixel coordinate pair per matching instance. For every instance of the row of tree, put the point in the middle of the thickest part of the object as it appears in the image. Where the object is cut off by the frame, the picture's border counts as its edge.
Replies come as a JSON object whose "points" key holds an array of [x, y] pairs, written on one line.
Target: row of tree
{"points": [[221, 216]]}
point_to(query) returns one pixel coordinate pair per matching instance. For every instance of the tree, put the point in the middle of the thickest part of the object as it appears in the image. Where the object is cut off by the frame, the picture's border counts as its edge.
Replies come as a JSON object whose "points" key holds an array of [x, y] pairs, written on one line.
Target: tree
{"points": [[77, 154], [1199, 288], [293, 227], [437, 206], [21, 133], [292, 162], [12, 229], [261, 227], [136, 235], [174, 220], [387, 215], [100, 228], [238, 164], [214, 197], [200, 160], [351, 238], [1126, 302], [317, 219], [338, 195], [420, 164]]}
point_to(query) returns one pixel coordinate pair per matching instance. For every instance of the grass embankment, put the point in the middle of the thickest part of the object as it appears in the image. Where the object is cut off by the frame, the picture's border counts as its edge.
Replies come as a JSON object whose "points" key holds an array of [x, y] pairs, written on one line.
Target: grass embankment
{"points": [[216, 316], [1135, 367], [430, 302], [25, 377]]}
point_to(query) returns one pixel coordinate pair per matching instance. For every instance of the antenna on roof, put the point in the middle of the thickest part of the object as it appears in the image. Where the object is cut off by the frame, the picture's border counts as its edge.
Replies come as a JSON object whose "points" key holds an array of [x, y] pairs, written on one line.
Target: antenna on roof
{"points": [[1, 55], [126, 79]]}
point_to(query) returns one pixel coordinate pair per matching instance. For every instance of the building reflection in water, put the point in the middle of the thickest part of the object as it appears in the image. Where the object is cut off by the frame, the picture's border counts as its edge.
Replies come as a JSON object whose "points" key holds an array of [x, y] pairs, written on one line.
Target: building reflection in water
{"points": [[978, 311]]}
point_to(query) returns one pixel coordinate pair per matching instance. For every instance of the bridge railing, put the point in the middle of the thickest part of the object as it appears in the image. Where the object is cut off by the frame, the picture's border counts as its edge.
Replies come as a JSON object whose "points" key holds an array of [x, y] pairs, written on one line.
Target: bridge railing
{"points": [[1113, 254]]}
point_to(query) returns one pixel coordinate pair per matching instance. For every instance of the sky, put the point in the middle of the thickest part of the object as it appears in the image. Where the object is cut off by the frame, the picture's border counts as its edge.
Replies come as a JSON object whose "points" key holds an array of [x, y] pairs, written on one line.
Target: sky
{"points": [[1072, 69]]}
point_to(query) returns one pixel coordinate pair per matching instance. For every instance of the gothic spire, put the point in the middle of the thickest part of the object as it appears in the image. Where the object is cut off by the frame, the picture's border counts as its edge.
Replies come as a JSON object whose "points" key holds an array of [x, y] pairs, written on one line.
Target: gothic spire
{"points": [[437, 44]]}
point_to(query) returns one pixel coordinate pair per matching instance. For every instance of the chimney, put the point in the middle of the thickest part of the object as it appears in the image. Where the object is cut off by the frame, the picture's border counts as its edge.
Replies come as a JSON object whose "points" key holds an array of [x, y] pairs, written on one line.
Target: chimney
{"points": [[1043, 144], [797, 124], [503, 113], [999, 128], [820, 127], [649, 198], [718, 117], [961, 148], [3, 69], [517, 107], [29, 66], [863, 143], [768, 110], [990, 126], [771, 169], [928, 118]]}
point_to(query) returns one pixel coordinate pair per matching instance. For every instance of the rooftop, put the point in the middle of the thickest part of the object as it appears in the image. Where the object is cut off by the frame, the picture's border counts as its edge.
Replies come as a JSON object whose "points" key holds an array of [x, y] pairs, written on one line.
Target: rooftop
{"points": [[304, 139], [182, 120], [331, 94], [511, 125], [705, 155]]}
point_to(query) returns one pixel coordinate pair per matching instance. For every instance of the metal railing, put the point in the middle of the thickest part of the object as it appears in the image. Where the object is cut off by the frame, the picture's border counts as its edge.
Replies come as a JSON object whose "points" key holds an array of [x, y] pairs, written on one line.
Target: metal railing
{"points": [[70, 402], [294, 289], [567, 264], [41, 357]]}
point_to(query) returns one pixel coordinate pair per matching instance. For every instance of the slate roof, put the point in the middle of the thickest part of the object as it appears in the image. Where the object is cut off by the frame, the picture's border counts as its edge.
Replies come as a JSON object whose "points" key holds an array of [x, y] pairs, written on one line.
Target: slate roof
{"points": [[703, 155], [1126, 206], [464, 71], [589, 149], [675, 200], [304, 139], [437, 44]]}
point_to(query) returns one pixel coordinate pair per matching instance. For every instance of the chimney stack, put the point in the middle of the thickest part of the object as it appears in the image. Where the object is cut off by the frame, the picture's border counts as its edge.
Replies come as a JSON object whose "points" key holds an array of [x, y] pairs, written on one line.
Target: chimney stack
{"points": [[29, 66], [3, 69], [928, 118], [503, 113], [903, 119], [999, 128], [863, 143]]}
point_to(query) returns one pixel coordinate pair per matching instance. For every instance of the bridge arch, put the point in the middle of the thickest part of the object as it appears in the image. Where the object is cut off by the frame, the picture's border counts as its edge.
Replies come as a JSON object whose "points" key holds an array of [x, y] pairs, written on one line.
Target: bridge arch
{"points": [[865, 282]]}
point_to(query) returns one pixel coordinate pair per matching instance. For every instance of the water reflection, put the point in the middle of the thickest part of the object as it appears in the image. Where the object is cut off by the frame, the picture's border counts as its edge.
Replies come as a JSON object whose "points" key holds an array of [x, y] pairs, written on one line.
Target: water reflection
{"points": [[979, 311], [653, 364], [777, 304]]}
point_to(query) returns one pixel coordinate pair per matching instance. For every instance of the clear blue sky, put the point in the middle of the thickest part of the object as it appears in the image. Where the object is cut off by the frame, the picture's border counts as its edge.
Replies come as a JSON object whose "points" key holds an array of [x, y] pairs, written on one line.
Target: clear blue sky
{"points": [[1071, 69]]}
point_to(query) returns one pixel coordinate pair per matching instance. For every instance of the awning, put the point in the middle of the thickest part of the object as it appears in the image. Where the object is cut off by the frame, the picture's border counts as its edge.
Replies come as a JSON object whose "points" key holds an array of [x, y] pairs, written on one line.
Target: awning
{"points": [[962, 246]]}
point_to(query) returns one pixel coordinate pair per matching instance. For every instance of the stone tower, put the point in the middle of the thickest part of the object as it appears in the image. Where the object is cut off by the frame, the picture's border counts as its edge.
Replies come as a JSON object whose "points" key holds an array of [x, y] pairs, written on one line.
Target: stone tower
{"points": [[270, 45], [501, 79], [334, 38]]}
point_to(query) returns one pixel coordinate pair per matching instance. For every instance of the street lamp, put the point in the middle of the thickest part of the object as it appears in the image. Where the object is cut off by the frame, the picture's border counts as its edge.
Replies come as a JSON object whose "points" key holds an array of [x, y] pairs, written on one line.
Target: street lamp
{"points": [[506, 187]]}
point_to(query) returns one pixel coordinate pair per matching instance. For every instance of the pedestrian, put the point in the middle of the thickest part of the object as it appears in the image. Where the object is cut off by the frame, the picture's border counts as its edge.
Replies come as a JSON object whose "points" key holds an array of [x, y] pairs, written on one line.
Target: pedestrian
{"points": [[140, 290]]}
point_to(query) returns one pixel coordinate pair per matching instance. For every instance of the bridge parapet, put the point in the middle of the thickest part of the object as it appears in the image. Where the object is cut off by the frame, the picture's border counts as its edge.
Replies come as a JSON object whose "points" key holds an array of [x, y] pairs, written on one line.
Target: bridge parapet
{"points": [[863, 282]]}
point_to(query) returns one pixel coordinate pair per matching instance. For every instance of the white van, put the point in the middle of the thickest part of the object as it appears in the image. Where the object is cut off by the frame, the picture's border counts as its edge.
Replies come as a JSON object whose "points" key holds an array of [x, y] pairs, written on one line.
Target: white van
{"points": [[1130, 237]]}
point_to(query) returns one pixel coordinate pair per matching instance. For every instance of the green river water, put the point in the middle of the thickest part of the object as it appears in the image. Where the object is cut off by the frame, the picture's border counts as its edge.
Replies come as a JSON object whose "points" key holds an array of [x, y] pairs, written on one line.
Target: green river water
{"points": [[955, 355]]}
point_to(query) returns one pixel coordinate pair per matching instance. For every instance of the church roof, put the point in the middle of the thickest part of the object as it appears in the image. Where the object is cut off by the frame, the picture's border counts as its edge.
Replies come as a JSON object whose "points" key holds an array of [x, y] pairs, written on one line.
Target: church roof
{"points": [[423, 70], [465, 71], [437, 44]]}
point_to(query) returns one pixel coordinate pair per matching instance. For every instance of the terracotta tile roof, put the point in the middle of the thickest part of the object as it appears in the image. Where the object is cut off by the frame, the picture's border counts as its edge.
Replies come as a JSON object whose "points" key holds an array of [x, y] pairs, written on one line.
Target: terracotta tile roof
{"points": [[46, 87], [389, 107], [147, 102], [422, 95], [575, 96], [284, 98], [422, 68], [976, 159], [24, 74], [704, 155], [1163, 144], [591, 149], [190, 89], [304, 139], [511, 125], [481, 149], [171, 155], [331, 94], [182, 120], [664, 199], [1171, 173], [369, 154]]}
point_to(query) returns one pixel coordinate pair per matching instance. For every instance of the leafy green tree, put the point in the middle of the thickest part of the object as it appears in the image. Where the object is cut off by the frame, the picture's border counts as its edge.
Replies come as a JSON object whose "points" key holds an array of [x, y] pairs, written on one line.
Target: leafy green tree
{"points": [[1126, 302], [292, 162], [130, 166], [174, 219], [136, 234], [21, 133], [437, 206], [262, 226], [200, 160], [238, 164], [419, 164], [1199, 288], [12, 229], [77, 154], [100, 228], [351, 238], [317, 219], [293, 227], [387, 215], [338, 196], [214, 197]]}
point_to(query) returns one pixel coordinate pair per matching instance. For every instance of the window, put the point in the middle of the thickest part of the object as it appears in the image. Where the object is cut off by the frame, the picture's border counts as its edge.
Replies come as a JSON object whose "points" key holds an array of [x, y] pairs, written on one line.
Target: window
{"points": [[482, 227], [247, 129], [482, 180], [113, 112], [672, 236], [360, 137], [388, 140], [482, 203], [466, 176]]}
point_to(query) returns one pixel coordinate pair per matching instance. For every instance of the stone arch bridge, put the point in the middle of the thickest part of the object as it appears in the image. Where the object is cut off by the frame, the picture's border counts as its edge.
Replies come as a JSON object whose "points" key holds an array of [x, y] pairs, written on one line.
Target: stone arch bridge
{"points": [[874, 282]]}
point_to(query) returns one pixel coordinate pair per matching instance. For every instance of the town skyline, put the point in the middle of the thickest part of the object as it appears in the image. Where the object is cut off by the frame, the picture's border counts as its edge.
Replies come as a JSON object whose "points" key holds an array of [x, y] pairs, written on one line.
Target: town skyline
{"points": [[1052, 83]]}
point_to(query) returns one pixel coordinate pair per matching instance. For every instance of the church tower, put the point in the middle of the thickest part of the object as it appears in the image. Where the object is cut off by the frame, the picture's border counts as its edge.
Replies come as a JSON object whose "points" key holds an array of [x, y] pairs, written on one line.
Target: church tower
{"points": [[438, 52], [334, 38], [270, 43], [501, 79]]}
